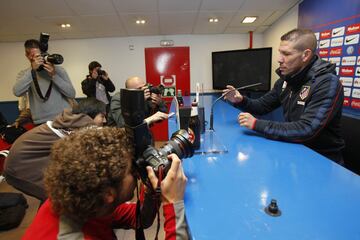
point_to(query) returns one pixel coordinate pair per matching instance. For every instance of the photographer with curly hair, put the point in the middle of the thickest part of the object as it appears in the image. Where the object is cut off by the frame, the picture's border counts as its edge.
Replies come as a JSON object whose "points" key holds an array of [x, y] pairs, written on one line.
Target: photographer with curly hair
{"points": [[89, 181]]}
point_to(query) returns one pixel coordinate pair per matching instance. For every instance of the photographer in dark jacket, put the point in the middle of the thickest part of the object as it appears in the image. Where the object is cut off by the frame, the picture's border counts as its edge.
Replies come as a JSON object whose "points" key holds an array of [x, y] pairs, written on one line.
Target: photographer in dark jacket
{"points": [[310, 94], [98, 84], [155, 107]]}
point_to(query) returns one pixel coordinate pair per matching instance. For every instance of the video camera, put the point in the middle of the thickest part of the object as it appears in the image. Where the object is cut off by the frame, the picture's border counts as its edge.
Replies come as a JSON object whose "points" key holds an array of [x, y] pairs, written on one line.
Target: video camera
{"points": [[156, 89], [51, 58], [132, 107]]}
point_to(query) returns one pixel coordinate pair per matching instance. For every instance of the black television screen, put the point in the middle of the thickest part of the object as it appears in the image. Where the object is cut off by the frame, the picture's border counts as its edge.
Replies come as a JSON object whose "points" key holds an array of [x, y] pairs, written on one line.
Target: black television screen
{"points": [[242, 67]]}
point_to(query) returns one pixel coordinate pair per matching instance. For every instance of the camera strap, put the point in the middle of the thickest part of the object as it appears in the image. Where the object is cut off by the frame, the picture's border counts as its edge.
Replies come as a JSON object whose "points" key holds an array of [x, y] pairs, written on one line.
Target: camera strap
{"points": [[37, 87], [139, 229], [139, 232], [158, 196]]}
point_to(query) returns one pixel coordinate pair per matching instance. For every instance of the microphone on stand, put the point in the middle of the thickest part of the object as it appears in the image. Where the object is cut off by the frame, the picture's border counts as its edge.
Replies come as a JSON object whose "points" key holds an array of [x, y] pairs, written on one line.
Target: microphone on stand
{"points": [[212, 106]]}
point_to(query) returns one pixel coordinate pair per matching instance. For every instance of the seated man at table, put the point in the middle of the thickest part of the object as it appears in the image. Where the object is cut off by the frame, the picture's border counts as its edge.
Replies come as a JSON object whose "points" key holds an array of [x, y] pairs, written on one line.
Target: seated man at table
{"points": [[310, 94], [89, 181], [155, 108]]}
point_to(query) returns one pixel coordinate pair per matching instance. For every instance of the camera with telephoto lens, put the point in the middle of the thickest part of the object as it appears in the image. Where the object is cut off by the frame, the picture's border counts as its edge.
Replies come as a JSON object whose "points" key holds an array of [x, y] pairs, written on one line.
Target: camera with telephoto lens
{"points": [[156, 89], [133, 111], [51, 58]]}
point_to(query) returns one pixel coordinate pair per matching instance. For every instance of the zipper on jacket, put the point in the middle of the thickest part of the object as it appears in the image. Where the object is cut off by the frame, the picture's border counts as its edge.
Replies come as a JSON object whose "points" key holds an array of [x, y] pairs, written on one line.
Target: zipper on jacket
{"points": [[289, 106]]}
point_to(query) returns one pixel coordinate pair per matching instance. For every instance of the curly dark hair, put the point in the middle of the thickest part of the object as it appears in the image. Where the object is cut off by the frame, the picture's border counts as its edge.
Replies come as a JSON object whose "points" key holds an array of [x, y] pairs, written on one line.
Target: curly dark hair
{"points": [[83, 166]]}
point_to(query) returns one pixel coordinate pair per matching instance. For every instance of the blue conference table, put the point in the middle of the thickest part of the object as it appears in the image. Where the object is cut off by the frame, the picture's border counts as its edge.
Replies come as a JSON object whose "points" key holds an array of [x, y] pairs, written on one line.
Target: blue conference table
{"points": [[227, 193]]}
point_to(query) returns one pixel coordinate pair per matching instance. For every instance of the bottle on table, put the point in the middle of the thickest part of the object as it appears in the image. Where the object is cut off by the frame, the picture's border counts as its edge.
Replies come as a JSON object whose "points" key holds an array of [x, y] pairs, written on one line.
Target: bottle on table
{"points": [[180, 98], [194, 125]]}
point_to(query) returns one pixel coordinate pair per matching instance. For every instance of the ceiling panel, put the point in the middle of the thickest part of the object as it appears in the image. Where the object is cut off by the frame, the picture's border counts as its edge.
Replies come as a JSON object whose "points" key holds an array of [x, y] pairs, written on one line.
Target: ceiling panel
{"points": [[78, 35], [177, 23], [101, 23], [133, 6], [55, 23], [150, 28], [272, 5], [179, 5], [273, 17], [92, 7], [25, 25], [40, 8], [228, 5], [262, 16], [203, 26], [104, 18], [261, 29]]}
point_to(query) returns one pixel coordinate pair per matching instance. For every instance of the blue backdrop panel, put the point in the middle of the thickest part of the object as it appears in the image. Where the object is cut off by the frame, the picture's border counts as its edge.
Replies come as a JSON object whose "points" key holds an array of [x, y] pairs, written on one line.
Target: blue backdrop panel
{"points": [[337, 28]]}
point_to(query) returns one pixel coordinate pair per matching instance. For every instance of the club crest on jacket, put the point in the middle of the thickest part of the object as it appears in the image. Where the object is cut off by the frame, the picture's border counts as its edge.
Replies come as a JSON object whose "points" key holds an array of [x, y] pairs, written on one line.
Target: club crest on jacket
{"points": [[304, 92]]}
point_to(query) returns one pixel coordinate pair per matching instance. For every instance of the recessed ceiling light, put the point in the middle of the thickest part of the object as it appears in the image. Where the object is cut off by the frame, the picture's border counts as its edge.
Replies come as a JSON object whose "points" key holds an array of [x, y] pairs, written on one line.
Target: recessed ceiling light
{"points": [[213, 20], [140, 21], [65, 25], [249, 19]]}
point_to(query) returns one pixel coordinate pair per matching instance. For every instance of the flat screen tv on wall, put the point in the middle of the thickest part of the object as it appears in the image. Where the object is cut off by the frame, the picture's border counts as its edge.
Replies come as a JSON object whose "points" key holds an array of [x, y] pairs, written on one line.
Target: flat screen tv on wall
{"points": [[242, 67]]}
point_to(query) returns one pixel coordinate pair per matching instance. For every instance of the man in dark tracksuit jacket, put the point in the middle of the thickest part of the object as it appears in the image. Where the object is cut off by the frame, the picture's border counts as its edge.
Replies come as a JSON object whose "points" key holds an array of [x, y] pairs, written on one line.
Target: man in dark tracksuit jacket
{"points": [[309, 92]]}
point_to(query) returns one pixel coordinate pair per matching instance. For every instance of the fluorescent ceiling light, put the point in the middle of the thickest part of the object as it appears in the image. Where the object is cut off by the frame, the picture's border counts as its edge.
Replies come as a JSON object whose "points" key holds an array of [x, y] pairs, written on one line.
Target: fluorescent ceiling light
{"points": [[249, 19]]}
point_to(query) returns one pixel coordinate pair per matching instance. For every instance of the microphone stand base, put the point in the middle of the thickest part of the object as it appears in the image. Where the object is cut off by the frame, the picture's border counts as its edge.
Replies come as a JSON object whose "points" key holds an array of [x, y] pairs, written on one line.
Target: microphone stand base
{"points": [[210, 143]]}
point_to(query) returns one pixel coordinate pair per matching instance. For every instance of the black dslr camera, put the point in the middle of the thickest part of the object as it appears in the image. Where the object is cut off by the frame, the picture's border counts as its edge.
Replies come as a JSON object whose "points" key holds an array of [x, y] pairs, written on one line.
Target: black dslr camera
{"points": [[51, 58], [132, 107], [101, 72], [156, 89]]}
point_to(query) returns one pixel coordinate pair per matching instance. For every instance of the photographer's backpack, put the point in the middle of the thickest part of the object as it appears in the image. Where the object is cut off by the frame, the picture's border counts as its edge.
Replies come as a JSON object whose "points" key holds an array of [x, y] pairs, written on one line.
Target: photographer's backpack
{"points": [[12, 206], [12, 210]]}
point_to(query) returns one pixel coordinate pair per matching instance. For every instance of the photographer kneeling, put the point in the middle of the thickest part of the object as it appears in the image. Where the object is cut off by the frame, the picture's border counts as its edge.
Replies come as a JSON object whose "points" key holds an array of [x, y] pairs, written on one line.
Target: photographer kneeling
{"points": [[89, 181], [30, 153]]}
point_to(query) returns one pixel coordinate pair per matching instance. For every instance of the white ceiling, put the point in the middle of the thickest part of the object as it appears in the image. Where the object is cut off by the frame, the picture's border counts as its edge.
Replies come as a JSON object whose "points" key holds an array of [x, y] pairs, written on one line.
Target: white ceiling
{"points": [[24, 19]]}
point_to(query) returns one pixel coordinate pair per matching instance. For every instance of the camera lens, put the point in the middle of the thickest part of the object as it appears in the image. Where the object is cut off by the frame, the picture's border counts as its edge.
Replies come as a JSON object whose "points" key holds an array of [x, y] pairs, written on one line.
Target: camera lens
{"points": [[54, 58], [179, 144]]}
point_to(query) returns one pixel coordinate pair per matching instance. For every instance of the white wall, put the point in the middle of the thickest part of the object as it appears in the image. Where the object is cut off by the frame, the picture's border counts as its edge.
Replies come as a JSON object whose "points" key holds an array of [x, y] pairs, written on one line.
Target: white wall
{"points": [[272, 36], [118, 60]]}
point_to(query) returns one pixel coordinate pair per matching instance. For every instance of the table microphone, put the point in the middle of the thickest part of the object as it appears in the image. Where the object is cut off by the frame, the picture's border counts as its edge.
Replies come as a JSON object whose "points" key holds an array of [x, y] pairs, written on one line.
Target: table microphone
{"points": [[212, 106]]}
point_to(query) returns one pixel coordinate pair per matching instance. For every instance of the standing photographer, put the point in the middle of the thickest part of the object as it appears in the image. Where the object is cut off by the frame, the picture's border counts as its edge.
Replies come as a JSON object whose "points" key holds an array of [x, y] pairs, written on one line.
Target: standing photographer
{"points": [[98, 84], [48, 86]]}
